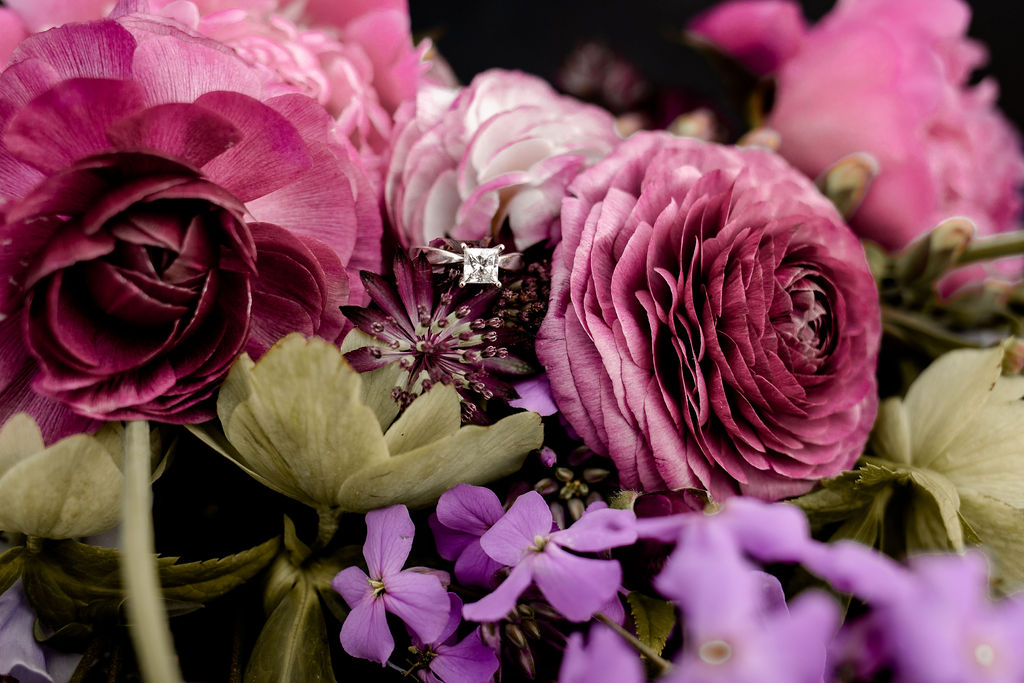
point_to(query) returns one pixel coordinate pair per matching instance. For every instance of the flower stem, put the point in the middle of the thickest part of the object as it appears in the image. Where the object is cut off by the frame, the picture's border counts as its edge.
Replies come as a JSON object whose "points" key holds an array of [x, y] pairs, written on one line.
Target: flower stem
{"points": [[663, 665], [327, 527], [147, 618], [1006, 244]]}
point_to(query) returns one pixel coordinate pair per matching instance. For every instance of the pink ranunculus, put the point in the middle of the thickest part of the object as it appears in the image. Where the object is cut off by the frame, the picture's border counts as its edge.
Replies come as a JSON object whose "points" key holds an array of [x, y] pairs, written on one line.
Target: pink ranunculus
{"points": [[160, 216], [891, 78], [713, 323], [504, 147], [760, 34]]}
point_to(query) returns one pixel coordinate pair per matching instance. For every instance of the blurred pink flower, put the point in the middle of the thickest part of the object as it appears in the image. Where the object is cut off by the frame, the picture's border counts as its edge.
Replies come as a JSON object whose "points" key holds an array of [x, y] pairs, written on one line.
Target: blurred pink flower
{"points": [[504, 147], [713, 323], [760, 34], [160, 216], [890, 77]]}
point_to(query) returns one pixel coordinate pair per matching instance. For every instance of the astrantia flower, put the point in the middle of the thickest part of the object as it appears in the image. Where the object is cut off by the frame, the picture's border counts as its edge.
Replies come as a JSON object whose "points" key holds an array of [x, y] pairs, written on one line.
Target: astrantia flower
{"points": [[159, 219], [417, 598], [436, 332], [504, 147], [713, 323], [575, 586]]}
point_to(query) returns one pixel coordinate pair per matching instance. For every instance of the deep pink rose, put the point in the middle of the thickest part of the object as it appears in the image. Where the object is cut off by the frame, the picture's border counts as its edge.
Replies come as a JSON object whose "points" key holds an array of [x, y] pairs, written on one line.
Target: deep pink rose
{"points": [[504, 147], [890, 77], [160, 216], [713, 323]]}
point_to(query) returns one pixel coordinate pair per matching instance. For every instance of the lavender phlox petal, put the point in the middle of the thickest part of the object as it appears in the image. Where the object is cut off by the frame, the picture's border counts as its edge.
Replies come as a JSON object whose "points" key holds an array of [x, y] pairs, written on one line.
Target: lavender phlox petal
{"points": [[575, 586], [389, 534], [605, 659], [852, 567], [450, 543], [664, 529], [20, 654], [475, 567], [510, 537], [469, 661], [535, 394], [471, 509], [353, 584], [365, 632], [599, 529], [419, 600], [502, 600], [769, 532]]}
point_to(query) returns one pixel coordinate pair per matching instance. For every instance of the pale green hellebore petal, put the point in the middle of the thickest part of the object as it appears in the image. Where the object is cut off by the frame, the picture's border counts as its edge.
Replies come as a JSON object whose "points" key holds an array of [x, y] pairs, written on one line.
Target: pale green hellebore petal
{"points": [[947, 396], [432, 416], [890, 438], [934, 521], [473, 455], [377, 384], [296, 419], [71, 489], [999, 527], [988, 456]]}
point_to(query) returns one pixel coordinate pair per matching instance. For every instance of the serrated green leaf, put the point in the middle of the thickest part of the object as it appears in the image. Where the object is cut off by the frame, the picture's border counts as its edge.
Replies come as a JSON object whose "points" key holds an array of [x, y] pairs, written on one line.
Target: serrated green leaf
{"points": [[867, 524], [10, 567], [208, 579], [654, 619], [293, 643], [933, 517]]}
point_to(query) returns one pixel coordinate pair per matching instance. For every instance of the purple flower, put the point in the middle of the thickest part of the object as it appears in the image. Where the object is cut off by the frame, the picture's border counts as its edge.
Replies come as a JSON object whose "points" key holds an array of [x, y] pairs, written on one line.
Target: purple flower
{"points": [[738, 627], [21, 657], [447, 660], [161, 216], [436, 332], [419, 599], [713, 323], [575, 586], [605, 658], [463, 515]]}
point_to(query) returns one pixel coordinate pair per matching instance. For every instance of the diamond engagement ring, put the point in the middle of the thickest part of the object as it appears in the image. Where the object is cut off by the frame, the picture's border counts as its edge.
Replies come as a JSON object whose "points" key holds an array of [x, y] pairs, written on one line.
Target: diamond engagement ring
{"points": [[479, 264]]}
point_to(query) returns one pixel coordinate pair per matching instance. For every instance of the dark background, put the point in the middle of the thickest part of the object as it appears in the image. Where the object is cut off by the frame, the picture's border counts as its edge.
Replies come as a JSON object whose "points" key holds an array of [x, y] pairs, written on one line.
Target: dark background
{"points": [[537, 35]]}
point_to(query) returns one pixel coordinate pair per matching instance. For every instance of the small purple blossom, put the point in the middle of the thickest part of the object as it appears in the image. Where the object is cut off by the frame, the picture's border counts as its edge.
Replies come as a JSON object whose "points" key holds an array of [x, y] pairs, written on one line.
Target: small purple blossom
{"points": [[463, 515], [575, 586], [418, 599], [449, 659], [604, 659]]}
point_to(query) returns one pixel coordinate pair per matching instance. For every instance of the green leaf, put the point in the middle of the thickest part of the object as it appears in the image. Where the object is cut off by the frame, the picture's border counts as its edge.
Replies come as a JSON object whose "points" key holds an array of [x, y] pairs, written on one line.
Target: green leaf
{"points": [[653, 618], [1000, 527], [203, 581], [293, 643], [933, 521], [844, 496], [10, 567], [867, 524]]}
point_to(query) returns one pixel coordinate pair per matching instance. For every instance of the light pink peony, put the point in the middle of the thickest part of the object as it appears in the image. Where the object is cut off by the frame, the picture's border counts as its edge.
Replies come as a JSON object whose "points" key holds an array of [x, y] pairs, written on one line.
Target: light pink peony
{"points": [[160, 215], [890, 77], [504, 147], [713, 323]]}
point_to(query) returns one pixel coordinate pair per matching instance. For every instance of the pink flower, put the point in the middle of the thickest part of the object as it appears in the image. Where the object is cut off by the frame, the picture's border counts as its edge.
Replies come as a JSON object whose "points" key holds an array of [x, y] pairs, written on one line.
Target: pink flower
{"points": [[942, 147], [760, 34], [158, 220], [503, 148], [713, 323]]}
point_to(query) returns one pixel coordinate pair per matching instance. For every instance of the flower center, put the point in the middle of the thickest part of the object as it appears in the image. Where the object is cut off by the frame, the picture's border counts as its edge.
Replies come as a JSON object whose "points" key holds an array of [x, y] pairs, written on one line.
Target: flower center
{"points": [[715, 652], [985, 654], [538, 543], [377, 586]]}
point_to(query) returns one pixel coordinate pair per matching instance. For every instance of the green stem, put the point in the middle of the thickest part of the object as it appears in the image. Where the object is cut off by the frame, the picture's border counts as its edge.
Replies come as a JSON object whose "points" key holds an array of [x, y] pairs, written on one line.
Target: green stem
{"points": [[1006, 244], [914, 328], [663, 665], [147, 618], [327, 526]]}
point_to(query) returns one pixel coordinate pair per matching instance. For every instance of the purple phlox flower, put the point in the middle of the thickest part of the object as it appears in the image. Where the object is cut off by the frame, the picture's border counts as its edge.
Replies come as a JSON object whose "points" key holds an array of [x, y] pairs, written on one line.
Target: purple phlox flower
{"points": [[417, 598], [535, 394], [21, 656], [576, 586], [737, 625], [454, 661], [463, 515], [604, 659], [944, 628]]}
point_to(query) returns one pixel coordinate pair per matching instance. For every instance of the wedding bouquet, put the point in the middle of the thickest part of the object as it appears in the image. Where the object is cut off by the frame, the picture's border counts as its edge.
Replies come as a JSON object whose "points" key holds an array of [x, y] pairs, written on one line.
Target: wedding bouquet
{"points": [[316, 365]]}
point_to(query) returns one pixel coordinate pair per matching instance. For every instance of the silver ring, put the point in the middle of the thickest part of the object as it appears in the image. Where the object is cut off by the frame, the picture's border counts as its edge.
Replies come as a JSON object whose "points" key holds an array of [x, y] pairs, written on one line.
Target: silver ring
{"points": [[480, 265]]}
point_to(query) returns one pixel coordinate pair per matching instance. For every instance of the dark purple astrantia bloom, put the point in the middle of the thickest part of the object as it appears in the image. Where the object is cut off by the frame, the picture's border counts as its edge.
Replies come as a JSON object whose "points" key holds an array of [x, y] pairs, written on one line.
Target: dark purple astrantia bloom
{"points": [[447, 659], [463, 515], [159, 217], [436, 332], [417, 598], [575, 586]]}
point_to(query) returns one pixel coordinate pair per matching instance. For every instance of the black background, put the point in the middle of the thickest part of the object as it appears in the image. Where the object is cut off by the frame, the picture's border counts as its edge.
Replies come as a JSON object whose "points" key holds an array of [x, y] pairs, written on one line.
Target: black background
{"points": [[536, 36]]}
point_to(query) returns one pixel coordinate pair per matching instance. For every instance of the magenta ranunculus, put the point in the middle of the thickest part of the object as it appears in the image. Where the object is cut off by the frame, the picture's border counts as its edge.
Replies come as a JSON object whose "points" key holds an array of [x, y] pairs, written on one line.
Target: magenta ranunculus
{"points": [[890, 77], [504, 147], [713, 323], [160, 216]]}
